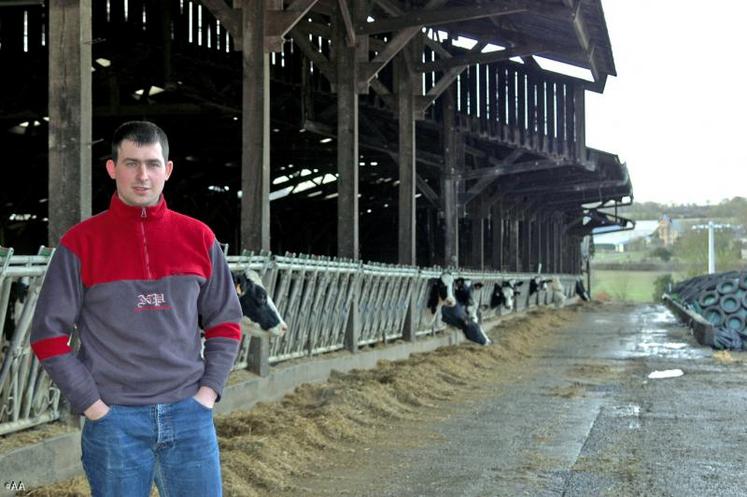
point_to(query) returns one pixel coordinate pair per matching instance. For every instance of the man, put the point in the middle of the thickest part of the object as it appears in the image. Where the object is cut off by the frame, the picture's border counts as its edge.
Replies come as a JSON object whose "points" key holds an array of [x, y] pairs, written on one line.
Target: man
{"points": [[133, 280]]}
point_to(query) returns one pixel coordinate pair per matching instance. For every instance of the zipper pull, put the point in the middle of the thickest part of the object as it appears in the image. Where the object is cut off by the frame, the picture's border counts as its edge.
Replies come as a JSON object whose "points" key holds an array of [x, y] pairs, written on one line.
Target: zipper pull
{"points": [[143, 213]]}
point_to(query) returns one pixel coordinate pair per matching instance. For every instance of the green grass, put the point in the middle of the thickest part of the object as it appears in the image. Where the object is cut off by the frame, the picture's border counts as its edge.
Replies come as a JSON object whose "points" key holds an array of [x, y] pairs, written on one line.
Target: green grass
{"points": [[627, 286]]}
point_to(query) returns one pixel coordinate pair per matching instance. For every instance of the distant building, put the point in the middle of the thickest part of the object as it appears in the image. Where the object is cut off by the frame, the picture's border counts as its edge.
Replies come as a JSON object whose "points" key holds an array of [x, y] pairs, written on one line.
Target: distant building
{"points": [[668, 230]]}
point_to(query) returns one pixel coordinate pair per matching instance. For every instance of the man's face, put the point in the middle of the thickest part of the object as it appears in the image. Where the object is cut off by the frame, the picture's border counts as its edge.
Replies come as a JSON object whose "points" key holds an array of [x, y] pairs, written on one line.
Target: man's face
{"points": [[140, 173]]}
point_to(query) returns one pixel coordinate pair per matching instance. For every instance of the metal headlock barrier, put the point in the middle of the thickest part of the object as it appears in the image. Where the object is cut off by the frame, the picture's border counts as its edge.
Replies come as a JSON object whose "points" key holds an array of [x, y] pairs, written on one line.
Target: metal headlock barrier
{"points": [[314, 294]]}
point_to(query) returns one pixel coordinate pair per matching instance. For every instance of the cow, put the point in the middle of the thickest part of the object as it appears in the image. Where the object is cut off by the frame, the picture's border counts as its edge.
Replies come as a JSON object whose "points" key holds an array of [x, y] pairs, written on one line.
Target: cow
{"points": [[19, 291], [440, 293], [504, 293], [581, 291], [463, 293], [260, 314], [557, 292], [537, 284], [457, 316], [465, 315]]}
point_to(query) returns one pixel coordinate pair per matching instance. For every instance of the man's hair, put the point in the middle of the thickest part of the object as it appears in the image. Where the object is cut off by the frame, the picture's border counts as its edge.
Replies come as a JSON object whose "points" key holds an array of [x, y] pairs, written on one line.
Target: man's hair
{"points": [[142, 133]]}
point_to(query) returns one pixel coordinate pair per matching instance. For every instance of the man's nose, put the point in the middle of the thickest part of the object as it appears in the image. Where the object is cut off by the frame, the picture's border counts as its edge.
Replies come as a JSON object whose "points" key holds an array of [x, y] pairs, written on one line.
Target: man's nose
{"points": [[142, 172]]}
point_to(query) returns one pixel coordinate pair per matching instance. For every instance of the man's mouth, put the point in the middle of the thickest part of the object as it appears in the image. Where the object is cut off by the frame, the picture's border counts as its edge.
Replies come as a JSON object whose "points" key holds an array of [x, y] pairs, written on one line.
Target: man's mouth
{"points": [[140, 188]]}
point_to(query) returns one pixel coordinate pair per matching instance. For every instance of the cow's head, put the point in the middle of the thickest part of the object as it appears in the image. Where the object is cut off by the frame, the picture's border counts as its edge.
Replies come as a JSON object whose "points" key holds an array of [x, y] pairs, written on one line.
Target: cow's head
{"points": [[257, 306], [464, 293], [441, 292], [504, 293], [537, 284]]}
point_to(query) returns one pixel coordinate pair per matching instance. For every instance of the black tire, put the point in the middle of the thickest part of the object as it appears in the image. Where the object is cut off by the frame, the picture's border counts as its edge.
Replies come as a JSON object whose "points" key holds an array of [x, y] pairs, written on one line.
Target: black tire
{"points": [[744, 301], [708, 299], [727, 287], [735, 322], [714, 315], [730, 303], [743, 281]]}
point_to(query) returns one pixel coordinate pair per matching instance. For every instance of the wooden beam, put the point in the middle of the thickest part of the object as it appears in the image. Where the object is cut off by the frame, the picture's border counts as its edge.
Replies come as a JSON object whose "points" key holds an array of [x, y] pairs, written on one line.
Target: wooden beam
{"points": [[427, 191], [70, 117], [448, 77], [584, 40], [228, 17], [502, 169], [422, 18], [342, 5], [255, 153], [481, 58], [279, 22], [301, 39], [394, 46]]}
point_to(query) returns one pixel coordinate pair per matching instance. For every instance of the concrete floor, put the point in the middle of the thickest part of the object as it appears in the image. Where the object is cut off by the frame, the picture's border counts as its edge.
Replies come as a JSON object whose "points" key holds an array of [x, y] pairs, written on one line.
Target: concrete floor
{"points": [[583, 420]]}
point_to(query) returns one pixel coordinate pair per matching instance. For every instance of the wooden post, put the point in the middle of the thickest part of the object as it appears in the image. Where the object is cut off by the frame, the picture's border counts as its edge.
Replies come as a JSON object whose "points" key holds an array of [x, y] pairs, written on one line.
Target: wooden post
{"points": [[255, 153], [451, 138], [346, 63], [70, 115], [579, 101], [347, 141], [406, 155], [536, 243], [497, 234], [405, 78]]}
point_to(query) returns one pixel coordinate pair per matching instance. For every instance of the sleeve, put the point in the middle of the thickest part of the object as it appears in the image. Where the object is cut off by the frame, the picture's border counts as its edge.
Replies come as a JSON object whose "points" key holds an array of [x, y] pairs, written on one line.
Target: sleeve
{"points": [[218, 304], [55, 316]]}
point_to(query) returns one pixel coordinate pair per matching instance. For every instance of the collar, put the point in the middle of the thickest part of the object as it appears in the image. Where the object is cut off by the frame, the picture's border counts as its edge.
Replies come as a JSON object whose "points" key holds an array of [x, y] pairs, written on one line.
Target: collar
{"points": [[121, 209]]}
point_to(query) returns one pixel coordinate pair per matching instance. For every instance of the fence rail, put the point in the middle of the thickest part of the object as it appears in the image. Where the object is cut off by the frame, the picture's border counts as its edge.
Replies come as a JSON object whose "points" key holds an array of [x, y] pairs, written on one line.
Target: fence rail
{"points": [[315, 295]]}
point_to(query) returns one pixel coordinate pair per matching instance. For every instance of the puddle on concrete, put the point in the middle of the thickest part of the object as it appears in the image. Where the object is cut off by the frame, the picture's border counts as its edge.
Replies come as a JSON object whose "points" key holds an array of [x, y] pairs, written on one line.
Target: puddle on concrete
{"points": [[632, 411]]}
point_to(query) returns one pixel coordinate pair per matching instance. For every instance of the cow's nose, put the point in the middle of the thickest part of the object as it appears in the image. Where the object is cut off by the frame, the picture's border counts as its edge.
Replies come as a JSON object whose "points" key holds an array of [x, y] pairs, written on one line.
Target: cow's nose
{"points": [[450, 302]]}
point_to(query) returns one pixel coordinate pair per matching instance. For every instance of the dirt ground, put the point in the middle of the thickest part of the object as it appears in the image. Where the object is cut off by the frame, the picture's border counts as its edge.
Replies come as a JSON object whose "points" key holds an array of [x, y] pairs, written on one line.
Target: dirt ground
{"points": [[274, 448]]}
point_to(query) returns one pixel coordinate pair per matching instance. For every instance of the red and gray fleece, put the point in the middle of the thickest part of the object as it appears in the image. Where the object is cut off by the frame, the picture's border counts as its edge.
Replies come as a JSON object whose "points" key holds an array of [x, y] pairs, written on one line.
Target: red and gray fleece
{"points": [[134, 280]]}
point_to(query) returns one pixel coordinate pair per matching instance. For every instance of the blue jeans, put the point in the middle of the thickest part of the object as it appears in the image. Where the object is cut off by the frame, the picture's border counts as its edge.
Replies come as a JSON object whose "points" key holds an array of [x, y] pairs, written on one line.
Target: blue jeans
{"points": [[175, 444]]}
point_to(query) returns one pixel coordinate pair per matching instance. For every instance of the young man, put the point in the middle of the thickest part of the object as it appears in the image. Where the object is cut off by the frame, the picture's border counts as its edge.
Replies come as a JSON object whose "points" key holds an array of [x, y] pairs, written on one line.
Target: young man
{"points": [[133, 280]]}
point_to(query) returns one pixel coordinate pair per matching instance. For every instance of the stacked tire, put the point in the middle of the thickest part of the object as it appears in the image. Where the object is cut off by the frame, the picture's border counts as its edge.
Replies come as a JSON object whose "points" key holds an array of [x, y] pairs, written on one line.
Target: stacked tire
{"points": [[722, 300]]}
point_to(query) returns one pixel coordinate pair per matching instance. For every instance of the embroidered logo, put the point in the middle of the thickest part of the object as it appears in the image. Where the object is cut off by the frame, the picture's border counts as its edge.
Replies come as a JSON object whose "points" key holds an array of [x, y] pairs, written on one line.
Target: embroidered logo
{"points": [[152, 302]]}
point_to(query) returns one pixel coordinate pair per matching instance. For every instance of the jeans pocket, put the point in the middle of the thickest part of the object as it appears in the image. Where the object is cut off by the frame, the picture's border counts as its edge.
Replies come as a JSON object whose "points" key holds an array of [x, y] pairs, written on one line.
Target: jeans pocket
{"points": [[102, 418], [201, 405]]}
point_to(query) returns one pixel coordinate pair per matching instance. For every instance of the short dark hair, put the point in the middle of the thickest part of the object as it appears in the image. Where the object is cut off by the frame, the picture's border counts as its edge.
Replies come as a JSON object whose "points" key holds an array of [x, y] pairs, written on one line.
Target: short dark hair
{"points": [[142, 133]]}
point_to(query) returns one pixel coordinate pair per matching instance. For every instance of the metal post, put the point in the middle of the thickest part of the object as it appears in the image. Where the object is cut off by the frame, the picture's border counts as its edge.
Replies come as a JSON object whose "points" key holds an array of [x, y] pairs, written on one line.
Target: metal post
{"points": [[711, 249]]}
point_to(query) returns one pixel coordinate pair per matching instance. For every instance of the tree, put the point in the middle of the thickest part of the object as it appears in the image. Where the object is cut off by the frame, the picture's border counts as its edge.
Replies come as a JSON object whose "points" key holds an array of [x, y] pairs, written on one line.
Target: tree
{"points": [[692, 249], [662, 253]]}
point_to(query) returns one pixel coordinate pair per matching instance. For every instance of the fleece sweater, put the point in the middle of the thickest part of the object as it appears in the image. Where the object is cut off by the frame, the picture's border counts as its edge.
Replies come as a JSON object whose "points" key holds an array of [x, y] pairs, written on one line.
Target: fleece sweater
{"points": [[134, 281]]}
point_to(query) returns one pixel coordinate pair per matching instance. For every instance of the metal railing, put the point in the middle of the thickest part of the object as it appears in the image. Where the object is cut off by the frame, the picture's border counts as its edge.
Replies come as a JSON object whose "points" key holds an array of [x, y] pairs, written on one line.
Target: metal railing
{"points": [[315, 295]]}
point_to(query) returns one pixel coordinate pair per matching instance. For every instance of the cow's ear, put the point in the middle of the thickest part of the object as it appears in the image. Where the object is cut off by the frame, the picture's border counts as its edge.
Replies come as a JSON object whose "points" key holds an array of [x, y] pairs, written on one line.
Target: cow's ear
{"points": [[520, 283]]}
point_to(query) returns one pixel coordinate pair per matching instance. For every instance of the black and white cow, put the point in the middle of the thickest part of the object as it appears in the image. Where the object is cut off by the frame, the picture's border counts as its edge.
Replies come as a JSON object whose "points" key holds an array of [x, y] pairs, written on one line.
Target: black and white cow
{"points": [[581, 290], [464, 294], [260, 313], [504, 293], [465, 314], [440, 293], [537, 284]]}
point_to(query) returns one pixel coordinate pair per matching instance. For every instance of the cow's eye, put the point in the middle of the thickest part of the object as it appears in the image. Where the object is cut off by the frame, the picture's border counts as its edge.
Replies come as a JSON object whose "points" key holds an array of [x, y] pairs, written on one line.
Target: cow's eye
{"points": [[260, 295]]}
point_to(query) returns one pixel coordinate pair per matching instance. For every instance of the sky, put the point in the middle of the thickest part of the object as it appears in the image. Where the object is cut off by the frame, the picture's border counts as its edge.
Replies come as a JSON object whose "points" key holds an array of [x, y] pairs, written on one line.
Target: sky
{"points": [[677, 111]]}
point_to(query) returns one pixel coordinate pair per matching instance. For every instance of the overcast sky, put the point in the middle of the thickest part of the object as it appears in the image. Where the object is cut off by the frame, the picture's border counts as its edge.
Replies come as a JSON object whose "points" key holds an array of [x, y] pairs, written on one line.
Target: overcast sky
{"points": [[677, 111]]}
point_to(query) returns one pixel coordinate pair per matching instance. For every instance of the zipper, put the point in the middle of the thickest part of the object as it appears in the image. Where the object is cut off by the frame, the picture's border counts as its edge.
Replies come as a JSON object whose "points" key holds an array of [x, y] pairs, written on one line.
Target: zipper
{"points": [[143, 216]]}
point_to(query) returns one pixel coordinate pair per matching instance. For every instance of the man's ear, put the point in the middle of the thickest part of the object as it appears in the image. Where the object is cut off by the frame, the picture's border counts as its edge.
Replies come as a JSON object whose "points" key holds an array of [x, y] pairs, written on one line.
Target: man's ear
{"points": [[169, 169], [110, 168]]}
